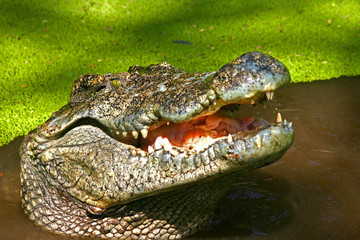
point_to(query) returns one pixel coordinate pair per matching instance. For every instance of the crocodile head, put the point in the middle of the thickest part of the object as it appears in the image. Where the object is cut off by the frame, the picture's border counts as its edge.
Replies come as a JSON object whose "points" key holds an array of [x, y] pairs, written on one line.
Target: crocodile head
{"points": [[131, 148]]}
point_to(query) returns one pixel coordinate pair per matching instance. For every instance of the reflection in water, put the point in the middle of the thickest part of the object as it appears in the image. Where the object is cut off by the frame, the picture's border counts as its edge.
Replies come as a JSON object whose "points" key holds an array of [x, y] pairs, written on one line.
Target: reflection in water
{"points": [[311, 193], [256, 206]]}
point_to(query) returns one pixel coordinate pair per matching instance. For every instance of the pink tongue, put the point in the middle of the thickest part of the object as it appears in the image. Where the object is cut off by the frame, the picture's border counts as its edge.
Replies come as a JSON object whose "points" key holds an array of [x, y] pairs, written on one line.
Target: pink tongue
{"points": [[181, 134]]}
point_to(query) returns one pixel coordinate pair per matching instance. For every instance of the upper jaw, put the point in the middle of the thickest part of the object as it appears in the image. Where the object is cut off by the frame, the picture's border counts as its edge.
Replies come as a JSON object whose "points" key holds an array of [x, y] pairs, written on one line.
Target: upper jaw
{"points": [[180, 97], [68, 118]]}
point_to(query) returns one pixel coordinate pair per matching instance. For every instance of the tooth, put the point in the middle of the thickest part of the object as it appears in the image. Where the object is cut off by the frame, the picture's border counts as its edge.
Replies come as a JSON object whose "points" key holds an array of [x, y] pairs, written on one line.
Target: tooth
{"points": [[124, 134], [167, 145], [278, 118], [167, 123], [285, 122], [135, 134], [158, 143], [117, 133], [174, 153], [290, 124], [203, 146], [206, 143], [133, 152], [144, 133], [258, 141], [150, 149], [270, 95], [230, 138], [95, 209]]}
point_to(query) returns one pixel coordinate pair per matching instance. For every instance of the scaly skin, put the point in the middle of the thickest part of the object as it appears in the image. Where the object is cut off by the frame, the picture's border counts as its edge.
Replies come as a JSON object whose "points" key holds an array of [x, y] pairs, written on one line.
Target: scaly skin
{"points": [[83, 173]]}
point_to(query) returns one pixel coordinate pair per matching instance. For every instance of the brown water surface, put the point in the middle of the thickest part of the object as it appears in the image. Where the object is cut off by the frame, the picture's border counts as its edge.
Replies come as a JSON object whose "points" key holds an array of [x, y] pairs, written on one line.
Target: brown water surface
{"points": [[313, 192]]}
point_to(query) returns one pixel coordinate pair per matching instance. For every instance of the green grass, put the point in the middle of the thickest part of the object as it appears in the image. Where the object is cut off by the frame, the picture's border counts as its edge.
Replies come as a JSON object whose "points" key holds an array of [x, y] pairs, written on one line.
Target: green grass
{"points": [[46, 45]]}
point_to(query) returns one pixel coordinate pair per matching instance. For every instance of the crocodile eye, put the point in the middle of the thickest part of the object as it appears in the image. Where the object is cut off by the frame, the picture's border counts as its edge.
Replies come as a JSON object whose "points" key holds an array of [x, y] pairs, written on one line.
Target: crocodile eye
{"points": [[116, 83]]}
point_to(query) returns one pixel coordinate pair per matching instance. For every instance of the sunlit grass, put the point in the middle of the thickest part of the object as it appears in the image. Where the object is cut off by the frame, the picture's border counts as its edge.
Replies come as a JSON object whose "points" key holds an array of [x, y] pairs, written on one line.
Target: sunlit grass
{"points": [[46, 45]]}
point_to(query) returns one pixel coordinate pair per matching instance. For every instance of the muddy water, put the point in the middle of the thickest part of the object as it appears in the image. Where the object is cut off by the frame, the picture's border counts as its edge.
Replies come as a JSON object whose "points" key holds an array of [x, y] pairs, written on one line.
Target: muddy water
{"points": [[313, 192]]}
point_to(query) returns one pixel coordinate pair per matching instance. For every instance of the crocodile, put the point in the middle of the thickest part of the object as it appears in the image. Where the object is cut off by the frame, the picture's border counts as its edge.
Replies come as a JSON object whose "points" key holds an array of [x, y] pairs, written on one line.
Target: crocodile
{"points": [[149, 153]]}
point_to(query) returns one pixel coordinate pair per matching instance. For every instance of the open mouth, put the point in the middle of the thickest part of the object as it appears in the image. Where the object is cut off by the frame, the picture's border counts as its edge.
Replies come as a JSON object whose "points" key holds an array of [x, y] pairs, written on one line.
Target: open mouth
{"points": [[196, 134], [164, 156]]}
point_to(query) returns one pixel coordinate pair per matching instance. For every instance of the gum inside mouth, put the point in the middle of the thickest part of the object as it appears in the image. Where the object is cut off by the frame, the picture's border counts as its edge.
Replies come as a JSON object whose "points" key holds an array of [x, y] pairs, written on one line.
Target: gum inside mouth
{"points": [[196, 134], [199, 133]]}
